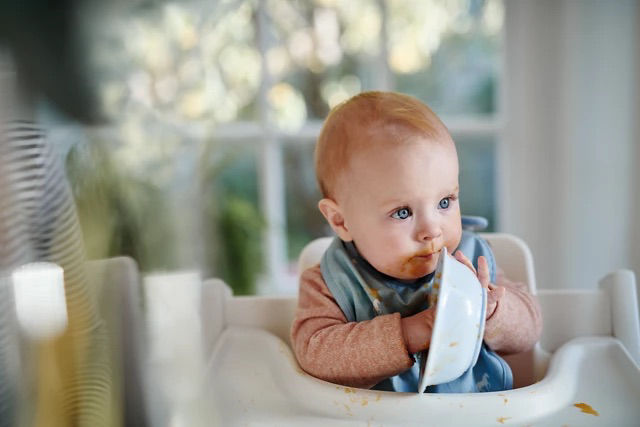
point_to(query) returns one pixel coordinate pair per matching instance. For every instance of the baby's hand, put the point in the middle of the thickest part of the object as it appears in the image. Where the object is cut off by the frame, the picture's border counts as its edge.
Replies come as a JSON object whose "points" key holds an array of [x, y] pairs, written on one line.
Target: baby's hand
{"points": [[494, 293], [417, 330]]}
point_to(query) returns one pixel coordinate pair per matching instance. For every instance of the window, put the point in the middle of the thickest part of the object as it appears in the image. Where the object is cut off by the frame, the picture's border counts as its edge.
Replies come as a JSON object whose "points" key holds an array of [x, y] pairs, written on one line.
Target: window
{"points": [[216, 107]]}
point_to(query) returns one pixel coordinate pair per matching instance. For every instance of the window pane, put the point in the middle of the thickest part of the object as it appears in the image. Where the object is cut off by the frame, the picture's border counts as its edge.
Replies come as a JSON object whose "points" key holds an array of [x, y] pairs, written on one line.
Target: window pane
{"points": [[169, 75], [447, 53], [135, 195], [186, 61], [234, 246], [304, 220], [325, 51], [170, 202], [477, 177]]}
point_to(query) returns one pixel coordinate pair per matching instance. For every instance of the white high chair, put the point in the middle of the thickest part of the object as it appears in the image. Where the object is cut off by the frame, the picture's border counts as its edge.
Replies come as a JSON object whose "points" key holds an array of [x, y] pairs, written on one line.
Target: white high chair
{"points": [[586, 363], [588, 354]]}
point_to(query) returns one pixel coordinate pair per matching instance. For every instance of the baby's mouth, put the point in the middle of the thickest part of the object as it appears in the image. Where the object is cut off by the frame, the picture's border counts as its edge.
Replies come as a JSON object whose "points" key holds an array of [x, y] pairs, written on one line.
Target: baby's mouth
{"points": [[426, 255], [417, 262], [422, 257]]}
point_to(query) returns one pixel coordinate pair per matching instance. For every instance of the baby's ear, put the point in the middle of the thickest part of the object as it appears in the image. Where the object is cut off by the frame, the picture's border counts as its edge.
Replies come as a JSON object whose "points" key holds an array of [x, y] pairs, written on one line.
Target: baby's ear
{"points": [[333, 215]]}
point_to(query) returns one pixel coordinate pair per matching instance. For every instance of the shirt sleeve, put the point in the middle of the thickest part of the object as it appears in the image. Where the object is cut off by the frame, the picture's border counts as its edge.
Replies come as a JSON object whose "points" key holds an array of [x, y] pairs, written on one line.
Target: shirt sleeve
{"points": [[516, 323], [356, 354]]}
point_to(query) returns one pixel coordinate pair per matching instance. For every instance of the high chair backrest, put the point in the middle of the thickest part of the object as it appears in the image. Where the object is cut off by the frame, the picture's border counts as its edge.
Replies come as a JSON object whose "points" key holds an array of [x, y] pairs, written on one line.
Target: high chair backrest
{"points": [[312, 253], [513, 256]]}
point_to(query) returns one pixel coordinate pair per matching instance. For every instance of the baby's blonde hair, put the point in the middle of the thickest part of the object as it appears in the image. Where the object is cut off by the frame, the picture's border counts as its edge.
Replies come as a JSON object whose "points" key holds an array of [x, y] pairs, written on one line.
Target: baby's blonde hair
{"points": [[351, 125]]}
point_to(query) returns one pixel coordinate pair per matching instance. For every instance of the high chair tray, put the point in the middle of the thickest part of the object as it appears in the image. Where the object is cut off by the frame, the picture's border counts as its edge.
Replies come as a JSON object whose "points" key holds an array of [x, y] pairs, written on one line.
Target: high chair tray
{"points": [[253, 379]]}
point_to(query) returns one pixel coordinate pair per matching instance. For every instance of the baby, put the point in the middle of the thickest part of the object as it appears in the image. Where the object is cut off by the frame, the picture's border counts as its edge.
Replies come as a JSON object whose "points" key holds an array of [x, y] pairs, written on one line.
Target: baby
{"points": [[388, 171]]}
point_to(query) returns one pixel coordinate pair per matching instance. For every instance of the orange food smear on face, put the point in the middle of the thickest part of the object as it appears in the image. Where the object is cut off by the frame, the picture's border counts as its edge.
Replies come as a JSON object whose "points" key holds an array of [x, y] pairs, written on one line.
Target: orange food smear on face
{"points": [[414, 265], [413, 268], [587, 409]]}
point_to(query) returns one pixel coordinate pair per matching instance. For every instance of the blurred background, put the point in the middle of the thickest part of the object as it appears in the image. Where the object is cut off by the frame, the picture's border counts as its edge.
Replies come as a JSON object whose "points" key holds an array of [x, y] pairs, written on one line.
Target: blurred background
{"points": [[212, 110], [186, 129], [209, 112], [214, 107], [205, 160]]}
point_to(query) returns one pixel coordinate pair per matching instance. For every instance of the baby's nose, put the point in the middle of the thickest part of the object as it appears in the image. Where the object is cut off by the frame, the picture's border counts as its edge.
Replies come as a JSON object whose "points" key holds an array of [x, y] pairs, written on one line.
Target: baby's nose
{"points": [[428, 230]]}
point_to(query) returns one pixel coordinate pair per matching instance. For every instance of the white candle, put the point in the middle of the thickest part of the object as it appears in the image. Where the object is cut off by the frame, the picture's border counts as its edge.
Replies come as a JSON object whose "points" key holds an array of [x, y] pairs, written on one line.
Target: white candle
{"points": [[39, 297]]}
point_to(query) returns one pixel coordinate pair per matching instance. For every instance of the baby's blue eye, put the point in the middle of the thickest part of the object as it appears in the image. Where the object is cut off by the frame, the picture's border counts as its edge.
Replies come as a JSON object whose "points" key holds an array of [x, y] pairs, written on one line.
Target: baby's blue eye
{"points": [[444, 203], [402, 213]]}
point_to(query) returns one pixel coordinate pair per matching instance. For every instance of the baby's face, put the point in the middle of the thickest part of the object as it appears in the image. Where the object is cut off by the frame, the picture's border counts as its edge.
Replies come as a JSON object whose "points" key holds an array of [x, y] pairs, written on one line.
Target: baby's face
{"points": [[400, 205]]}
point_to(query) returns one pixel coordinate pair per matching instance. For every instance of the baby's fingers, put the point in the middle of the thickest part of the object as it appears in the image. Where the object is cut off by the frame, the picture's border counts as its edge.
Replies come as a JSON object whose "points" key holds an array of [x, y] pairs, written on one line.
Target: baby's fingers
{"points": [[463, 259], [483, 271], [495, 294]]}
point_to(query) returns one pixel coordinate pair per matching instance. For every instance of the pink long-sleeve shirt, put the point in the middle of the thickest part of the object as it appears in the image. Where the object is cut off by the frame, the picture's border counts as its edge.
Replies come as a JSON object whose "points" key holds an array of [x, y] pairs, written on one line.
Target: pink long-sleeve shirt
{"points": [[361, 354]]}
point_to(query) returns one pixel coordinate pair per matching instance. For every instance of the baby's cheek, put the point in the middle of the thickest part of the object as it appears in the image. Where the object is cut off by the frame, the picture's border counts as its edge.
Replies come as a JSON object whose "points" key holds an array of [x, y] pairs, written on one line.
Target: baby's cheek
{"points": [[453, 238], [452, 245]]}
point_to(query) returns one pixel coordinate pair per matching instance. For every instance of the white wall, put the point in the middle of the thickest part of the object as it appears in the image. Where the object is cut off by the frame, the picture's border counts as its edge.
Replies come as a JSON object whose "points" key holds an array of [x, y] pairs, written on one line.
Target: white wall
{"points": [[569, 152]]}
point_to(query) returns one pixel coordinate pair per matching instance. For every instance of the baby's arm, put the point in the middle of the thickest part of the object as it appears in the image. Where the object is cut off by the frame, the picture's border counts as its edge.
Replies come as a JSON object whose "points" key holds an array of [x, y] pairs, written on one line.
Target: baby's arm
{"points": [[516, 322], [357, 354]]}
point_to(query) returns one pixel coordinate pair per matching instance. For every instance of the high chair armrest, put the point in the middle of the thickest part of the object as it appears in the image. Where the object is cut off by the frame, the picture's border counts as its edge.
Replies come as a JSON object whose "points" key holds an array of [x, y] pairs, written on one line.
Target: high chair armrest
{"points": [[625, 320]]}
